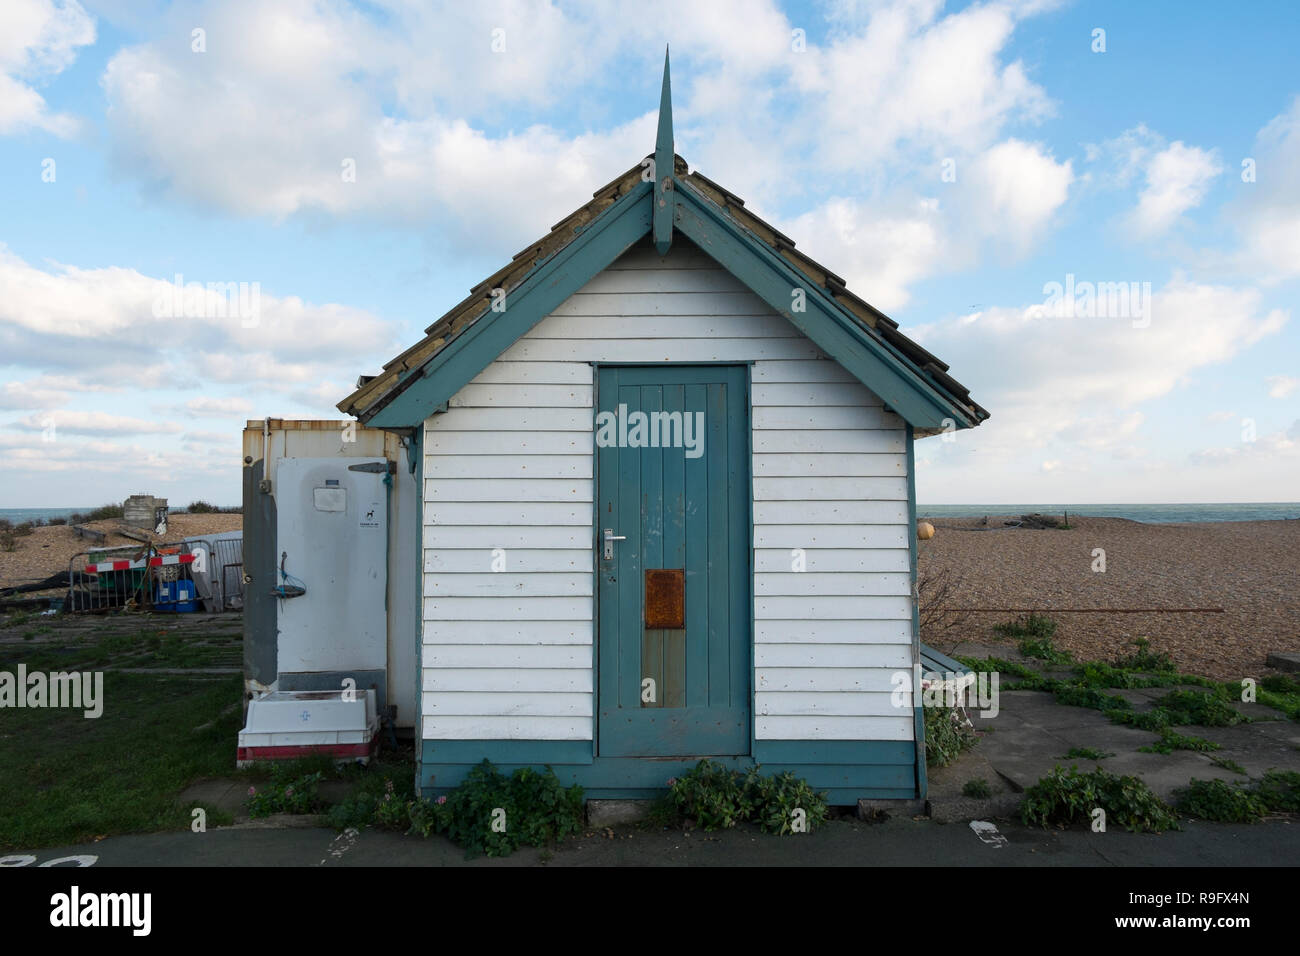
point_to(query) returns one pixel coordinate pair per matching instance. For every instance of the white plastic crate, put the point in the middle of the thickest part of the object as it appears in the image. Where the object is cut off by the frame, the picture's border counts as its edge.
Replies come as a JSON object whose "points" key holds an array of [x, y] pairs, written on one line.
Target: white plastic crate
{"points": [[287, 724]]}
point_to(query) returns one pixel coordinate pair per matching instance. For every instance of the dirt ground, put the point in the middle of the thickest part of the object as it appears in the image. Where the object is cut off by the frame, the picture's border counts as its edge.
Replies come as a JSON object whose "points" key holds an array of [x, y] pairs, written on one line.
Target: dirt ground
{"points": [[47, 550], [1218, 596]]}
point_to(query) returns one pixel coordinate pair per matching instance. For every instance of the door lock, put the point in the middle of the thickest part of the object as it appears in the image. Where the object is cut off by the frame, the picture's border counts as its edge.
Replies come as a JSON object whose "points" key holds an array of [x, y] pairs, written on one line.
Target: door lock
{"points": [[610, 538]]}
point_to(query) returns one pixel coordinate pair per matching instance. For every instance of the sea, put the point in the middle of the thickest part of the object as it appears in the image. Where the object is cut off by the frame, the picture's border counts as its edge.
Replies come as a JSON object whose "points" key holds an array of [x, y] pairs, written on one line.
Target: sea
{"points": [[19, 515], [1149, 513]]}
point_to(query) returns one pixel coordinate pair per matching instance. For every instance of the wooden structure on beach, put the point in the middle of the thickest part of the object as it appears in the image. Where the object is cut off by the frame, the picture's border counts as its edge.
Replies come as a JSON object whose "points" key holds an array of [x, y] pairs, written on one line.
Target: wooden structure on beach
{"points": [[667, 492]]}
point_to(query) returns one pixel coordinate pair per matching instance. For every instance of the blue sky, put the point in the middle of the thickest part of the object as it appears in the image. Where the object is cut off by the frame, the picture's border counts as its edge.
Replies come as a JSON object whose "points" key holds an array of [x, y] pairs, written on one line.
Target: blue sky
{"points": [[951, 161]]}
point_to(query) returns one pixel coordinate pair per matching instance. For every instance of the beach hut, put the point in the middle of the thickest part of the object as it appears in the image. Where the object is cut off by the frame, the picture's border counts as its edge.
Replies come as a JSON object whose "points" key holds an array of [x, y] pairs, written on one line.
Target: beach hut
{"points": [[668, 504]]}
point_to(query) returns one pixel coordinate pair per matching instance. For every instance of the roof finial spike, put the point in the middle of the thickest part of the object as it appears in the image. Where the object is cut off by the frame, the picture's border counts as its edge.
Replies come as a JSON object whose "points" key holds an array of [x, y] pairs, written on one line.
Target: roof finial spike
{"points": [[664, 140], [665, 168]]}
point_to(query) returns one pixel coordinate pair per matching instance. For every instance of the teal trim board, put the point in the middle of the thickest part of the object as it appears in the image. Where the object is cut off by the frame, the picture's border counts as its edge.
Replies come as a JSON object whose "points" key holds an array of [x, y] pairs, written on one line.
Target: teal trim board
{"points": [[415, 449], [846, 770], [933, 661], [918, 715]]}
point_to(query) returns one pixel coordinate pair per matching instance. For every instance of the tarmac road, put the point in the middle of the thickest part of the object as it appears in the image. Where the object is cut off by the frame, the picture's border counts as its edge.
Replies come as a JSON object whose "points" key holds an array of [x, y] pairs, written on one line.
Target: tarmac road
{"points": [[895, 842]]}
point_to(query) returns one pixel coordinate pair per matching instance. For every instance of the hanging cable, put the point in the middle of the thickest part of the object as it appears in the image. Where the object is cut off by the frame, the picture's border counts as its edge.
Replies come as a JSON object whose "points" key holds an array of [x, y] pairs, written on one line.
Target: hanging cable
{"points": [[289, 586]]}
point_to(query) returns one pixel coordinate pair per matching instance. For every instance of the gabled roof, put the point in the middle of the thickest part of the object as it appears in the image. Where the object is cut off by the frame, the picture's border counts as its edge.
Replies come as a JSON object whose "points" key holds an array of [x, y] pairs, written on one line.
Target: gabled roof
{"points": [[466, 339]]}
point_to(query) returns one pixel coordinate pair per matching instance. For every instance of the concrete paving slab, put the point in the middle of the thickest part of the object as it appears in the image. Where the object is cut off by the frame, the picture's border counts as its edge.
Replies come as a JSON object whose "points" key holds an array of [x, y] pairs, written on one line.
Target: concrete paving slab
{"points": [[1253, 748], [1166, 773], [218, 794], [1285, 732], [949, 805], [1284, 660]]}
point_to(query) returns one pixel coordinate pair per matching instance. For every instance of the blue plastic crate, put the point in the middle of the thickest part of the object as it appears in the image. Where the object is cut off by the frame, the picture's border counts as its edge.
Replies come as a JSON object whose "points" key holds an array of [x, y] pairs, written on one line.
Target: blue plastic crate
{"points": [[175, 596]]}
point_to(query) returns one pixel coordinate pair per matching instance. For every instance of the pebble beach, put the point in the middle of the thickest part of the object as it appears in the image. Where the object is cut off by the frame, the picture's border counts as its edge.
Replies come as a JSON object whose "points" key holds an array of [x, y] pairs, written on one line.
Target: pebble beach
{"points": [[1217, 596]]}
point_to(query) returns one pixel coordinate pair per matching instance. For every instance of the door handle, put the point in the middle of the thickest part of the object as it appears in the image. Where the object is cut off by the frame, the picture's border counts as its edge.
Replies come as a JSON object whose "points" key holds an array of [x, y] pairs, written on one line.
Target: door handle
{"points": [[610, 538]]}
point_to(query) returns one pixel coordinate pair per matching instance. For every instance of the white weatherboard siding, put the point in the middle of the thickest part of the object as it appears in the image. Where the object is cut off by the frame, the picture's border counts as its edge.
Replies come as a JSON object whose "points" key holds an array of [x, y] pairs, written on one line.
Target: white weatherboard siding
{"points": [[508, 653]]}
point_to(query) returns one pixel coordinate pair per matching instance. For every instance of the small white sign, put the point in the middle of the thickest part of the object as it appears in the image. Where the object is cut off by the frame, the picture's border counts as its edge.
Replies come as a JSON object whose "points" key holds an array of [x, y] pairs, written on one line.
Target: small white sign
{"points": [[370, 516]]}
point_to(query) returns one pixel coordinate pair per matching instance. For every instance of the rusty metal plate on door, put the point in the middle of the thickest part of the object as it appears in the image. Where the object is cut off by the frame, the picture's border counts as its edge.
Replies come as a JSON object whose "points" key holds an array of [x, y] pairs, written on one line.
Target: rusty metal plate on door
{"points": [[665, 598]]}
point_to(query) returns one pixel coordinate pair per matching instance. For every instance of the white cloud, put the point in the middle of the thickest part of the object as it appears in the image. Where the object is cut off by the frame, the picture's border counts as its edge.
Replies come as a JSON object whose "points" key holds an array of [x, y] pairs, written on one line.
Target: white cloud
{"points": [[1177, 179], [268, 121], [101, 331], [38, 39], [909, 77], [1267, 449], [1076, 382], [230, 438], [76, 422], [103, 326], [212, 407], [1005, 197], [878, 253], [1267, 213], [328, 147], [1280, 386], [1014, 189]]}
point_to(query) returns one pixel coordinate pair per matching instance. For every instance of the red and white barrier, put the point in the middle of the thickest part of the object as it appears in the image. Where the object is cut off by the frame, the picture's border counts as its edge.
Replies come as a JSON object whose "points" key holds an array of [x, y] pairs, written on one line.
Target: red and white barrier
{"points": [[154, 562]]}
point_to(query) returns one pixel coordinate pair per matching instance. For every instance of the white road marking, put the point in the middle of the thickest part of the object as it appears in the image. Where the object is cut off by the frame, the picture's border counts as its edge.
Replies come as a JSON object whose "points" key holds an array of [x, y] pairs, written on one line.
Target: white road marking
{"points": [[341, 844], [988, 833]]}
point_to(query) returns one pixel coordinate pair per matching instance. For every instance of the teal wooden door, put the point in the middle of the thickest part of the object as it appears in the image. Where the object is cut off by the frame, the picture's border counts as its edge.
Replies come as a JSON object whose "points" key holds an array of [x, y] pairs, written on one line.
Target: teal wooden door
{"points": [[673, 482]]}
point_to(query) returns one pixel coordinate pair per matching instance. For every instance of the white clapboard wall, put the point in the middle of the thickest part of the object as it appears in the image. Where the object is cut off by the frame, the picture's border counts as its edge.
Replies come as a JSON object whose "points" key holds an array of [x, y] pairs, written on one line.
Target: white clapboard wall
{"points": [[508, 478]]}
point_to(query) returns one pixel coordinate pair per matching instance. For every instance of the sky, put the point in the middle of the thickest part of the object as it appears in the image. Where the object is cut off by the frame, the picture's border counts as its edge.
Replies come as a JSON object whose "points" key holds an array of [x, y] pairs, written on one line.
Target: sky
{"points": [[347, 171]]}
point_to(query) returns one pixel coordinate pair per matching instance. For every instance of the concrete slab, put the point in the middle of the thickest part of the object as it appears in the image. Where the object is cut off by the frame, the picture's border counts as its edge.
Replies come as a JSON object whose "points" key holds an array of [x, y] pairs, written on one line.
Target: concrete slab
{"points": [[1166, 773], [1284, 660], [1006, 652], [949, 805], [1253, 747], [1284, 732], [1032, 733], [609, 813], [217, 794], [874, 810]]}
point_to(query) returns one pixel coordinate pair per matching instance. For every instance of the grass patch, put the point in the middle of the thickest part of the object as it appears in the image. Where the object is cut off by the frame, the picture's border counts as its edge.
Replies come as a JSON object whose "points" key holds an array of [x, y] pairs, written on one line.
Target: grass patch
{"points": [[69, 779], [1212, 706], [1281, 693], [1001, 665], [1086, 753], [1228, 763], [102, 513], [1074, 693], [1221, 802], [1033, 634], [492, 814], [378, 799], [977, 789], [1144, 659], [1200, 709], [150, 646], [1065, 797], [1170, 741], [947, 735], [1280, 791]]}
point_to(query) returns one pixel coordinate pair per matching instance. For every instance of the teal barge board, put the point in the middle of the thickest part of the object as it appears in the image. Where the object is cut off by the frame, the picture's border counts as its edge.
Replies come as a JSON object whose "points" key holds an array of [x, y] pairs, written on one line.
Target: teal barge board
{"points": [[665, 466]]}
